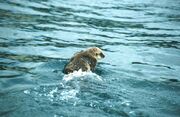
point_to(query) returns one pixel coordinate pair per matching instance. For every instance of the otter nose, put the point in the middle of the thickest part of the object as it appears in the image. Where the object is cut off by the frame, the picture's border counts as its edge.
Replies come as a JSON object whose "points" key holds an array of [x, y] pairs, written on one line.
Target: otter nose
{"points": [[102, 55]]}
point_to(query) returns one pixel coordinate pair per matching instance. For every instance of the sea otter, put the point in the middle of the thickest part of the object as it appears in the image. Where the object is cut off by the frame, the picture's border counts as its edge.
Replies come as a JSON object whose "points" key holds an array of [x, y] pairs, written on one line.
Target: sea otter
{"points": [[84, 60]]}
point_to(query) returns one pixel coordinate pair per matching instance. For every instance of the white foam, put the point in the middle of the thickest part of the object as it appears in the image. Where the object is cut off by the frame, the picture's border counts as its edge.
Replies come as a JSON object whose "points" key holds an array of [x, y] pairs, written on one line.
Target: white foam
{"points": [[69, 94], [51, 93], [26, 91], [70, 86], [81, 74]]}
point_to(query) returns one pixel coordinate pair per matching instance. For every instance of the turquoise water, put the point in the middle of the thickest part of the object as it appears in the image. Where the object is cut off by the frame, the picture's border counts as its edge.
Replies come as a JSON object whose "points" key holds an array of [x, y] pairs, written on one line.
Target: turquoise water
{"points": [[139, 77]]}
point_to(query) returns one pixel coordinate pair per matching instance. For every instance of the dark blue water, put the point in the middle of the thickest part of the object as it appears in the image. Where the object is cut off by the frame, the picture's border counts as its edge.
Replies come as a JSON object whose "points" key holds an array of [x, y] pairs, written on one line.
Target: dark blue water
{"points": [[140, 76]]}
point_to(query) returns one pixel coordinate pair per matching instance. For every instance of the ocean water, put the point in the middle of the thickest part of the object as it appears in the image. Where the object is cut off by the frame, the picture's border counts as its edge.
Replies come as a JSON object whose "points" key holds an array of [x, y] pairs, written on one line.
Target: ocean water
{"points": [[139, 77]]}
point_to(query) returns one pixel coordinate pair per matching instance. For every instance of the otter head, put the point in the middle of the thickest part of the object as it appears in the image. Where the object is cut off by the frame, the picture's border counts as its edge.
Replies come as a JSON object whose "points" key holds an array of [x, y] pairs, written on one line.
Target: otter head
{"points": [[96, 53]]}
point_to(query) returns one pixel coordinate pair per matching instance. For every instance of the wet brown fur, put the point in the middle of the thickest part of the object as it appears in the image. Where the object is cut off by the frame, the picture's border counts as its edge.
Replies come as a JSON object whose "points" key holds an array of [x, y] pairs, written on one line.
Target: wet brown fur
{"points": [[84, 60]]}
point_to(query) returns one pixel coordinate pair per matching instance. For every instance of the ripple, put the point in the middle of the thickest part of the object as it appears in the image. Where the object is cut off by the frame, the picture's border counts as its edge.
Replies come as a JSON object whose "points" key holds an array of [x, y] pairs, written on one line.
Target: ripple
{"points": [[138, 77]]}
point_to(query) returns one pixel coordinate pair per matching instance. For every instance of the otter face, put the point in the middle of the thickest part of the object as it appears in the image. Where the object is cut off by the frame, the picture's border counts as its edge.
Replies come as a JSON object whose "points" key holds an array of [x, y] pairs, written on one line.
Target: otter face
{"points": [[96, 52]]}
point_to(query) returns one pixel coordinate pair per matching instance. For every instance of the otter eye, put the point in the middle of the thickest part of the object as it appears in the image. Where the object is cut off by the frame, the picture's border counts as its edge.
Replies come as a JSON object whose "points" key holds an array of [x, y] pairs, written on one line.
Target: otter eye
{"points": [[96, 54]]}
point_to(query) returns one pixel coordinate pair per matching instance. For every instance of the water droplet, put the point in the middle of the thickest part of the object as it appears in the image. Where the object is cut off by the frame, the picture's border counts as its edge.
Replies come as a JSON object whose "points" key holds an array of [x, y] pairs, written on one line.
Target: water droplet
{"points": [[26, 91]]}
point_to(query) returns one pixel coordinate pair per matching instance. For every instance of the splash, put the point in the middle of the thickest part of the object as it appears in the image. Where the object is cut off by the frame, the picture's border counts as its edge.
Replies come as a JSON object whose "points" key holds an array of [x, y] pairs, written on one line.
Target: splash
{"points": [[67, 90], [68, 94], [72, 81], [81, 75]]}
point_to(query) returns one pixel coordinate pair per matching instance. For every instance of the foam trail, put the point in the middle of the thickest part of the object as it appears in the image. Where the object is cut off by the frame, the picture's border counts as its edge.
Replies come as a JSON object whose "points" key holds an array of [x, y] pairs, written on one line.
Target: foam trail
{"points": [[68, 94], [66, 90]]}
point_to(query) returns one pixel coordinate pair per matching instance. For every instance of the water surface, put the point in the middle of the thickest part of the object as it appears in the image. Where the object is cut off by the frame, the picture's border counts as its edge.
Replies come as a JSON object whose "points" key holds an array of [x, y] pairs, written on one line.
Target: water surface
{"points": [[138, 78]]}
